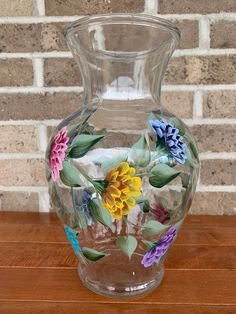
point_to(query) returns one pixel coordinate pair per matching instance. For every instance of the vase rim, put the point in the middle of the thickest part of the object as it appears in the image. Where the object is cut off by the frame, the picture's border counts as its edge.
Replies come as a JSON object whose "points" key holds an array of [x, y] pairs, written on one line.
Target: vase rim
{"points": [[125, 18]]}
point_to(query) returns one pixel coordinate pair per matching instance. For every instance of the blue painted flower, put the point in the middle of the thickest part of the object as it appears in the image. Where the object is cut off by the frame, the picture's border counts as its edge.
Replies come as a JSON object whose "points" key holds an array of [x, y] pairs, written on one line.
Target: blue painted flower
{"points": [[86, 197], [171, 138], [71, 235]]}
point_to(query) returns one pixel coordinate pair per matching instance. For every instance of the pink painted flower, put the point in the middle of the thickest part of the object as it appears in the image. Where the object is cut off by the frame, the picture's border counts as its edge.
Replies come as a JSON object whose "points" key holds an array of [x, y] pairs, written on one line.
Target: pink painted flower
{"points": [[160, 213], [58, 152]]}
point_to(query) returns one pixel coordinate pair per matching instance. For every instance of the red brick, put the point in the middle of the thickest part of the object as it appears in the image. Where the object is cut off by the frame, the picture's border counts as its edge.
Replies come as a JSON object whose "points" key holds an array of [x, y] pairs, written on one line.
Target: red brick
{"points": [[61, 72], [16, 7], [219, 104], [16, 72], [223, 34], [214, 203], [18, 139], [39, 106], [18, 201], [22, 172], [85, 7], [178, 103], [189, 39], [202, 70], [215, 138], [218, 172], [193, 6], [32, 37]]}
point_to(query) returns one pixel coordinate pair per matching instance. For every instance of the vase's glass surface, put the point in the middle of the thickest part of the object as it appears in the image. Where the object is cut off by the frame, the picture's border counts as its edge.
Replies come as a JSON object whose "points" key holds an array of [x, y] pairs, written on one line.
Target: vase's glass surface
{"points": [[122, 171]]}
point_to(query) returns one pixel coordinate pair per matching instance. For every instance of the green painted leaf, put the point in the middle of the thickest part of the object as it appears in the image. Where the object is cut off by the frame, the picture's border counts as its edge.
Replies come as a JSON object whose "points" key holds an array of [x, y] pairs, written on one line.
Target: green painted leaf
{"points": [[178, 124], [189, 157], [185, 179], [127, 244], [162, 174], [194, 148], [152, 227], [92, 254], [140, 152], [72, 128], [82, 144], [140, 199], [149, 244], [70, 175], [100, 213], [146, 207], [109, 163]]}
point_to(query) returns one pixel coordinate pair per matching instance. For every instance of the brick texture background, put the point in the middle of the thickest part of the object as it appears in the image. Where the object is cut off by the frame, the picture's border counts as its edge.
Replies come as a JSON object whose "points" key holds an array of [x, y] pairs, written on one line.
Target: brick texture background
{"points": [[39, 85]]}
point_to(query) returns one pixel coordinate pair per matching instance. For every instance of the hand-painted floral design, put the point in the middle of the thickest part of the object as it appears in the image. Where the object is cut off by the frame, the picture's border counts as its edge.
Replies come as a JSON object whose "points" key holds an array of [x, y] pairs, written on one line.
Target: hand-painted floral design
{"points": [[58, 152], [123, 186], [171, 138], [71, 235], [86, 197], [160, 248], [160, 213]]}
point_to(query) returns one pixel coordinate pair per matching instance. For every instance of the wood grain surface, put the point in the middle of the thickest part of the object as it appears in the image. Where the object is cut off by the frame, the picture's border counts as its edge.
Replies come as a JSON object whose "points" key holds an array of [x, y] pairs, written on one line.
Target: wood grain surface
{"points": [[38, 270]]}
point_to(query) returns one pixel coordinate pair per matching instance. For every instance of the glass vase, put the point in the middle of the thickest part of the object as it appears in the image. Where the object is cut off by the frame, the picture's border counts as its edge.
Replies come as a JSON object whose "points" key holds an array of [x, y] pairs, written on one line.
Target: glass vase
{"points": [[122, 170]]}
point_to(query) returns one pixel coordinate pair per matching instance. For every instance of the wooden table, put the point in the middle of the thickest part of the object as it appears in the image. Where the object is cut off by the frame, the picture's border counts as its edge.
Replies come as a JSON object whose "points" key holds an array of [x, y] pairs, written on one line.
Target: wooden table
{"points": [[38, 270]]}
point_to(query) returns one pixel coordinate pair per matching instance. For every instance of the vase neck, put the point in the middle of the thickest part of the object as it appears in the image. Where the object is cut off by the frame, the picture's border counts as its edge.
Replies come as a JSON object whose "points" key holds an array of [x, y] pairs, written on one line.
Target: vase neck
{"points": [[121, 61]]}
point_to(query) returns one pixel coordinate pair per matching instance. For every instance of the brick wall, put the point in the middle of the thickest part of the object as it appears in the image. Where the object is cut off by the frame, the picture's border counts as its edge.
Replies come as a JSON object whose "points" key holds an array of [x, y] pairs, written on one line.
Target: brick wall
{"points": [[38, 77]]}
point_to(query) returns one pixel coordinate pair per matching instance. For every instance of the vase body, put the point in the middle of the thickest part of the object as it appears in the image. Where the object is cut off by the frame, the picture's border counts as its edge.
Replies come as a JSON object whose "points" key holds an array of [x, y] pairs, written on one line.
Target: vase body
{"points": [[122, 170]]}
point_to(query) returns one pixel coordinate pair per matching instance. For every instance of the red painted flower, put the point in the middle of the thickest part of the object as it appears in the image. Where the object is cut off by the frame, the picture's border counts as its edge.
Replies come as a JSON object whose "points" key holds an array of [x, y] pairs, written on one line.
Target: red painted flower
{"points": [[58, 152], [161, 214]]}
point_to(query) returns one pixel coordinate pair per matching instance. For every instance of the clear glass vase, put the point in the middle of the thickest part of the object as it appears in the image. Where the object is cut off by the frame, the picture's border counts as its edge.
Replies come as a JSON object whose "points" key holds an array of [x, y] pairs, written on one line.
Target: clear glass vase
{"points": [[122, 170]]}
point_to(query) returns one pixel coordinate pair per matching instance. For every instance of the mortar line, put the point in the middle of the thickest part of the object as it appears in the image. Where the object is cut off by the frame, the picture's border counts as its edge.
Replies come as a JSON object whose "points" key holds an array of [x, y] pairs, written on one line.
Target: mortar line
{"points": [[28, 189], [79, 89], [67, 54], [200, 188], [40, 90], [41, 155], [32, 55], [7, 156], [151, 7], [55, 122], [38, 65], [40, 7], [216, 188], [201, 52], [217, 155], [50, 19], [204, 33], [42, 137], [197, 105]]}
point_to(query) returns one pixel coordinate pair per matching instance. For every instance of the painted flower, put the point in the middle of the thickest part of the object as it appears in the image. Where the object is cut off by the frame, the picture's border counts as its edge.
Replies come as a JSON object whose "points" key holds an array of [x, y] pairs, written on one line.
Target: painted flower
{"points": [[159, 249], [58, 152], [160, 213], [72, 237], [86, 197], [122, 188], [171, 138]]}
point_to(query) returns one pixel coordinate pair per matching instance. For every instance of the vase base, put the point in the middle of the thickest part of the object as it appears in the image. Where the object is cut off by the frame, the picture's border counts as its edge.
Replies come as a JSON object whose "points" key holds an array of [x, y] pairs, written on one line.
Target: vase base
{"points": [[117, 276]]}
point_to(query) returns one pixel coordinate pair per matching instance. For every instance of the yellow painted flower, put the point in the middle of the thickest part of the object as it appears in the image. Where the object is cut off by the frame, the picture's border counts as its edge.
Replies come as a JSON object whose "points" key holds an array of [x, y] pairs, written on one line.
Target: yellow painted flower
{"points": [[122, 187]]}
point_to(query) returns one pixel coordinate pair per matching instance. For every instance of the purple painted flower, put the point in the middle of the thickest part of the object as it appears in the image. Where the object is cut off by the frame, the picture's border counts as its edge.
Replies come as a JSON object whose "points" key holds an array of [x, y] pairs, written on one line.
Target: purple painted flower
{"points": [[58, 152], [160, 248], [171, 138]]}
